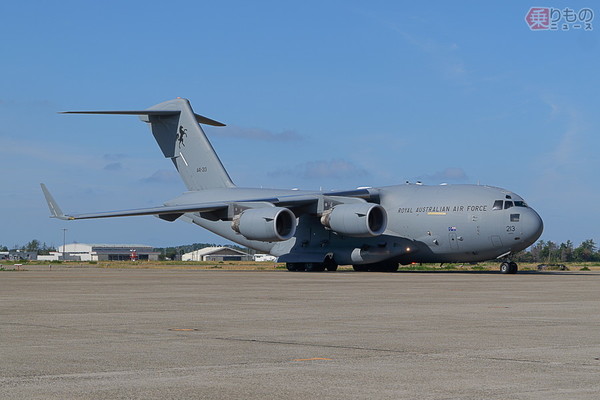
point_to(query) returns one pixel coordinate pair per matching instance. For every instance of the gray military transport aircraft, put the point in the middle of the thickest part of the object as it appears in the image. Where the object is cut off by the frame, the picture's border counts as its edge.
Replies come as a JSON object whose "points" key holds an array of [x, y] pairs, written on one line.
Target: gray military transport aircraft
{"points": [[373, 229]]}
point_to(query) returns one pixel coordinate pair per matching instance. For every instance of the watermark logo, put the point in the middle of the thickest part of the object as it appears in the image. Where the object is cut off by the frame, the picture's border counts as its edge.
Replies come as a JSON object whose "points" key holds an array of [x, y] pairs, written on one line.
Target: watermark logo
{"points": [[554, 19]]}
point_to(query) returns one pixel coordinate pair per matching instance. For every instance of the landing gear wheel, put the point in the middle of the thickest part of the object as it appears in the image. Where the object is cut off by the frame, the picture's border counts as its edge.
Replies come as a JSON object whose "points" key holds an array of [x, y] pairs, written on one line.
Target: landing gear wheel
{"points": [[509, 267], [360, 268], [310, 267], [295, 266], [314, 267], [330, 265]]}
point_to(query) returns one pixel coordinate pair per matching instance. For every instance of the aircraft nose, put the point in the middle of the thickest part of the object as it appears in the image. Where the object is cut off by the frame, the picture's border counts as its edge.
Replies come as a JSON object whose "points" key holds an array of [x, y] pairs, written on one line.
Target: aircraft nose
{"points": [[532, 226]]}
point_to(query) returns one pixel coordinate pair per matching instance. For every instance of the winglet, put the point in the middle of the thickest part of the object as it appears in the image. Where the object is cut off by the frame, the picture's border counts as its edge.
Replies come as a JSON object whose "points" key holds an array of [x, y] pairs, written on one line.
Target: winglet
{"points": [[52, 205]]}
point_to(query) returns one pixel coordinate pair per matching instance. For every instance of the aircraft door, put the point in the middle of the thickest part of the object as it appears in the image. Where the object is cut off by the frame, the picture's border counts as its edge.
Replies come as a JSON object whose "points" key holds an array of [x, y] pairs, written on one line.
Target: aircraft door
{"points": [[513, 226], [496, 241]]}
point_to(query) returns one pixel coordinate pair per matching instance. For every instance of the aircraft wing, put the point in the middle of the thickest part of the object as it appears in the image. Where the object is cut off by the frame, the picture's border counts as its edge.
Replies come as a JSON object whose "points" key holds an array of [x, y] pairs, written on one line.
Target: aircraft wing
{"points": [[171, 213]]}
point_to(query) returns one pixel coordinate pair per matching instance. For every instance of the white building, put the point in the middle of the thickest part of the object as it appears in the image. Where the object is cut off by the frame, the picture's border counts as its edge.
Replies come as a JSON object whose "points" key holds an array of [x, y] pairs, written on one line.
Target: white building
{"points": [[53, 256], [103, 252], [216, 254]]}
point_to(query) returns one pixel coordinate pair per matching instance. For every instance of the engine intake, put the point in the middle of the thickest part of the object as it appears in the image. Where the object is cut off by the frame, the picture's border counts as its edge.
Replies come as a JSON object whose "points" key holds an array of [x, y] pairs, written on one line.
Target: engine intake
{"points": [[356, 220], [268, 224]]}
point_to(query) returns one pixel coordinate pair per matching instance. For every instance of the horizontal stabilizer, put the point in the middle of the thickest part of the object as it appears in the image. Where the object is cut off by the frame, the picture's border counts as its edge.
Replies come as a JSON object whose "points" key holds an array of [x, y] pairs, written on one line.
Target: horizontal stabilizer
{"points": [[200, 118], [207, 121]]}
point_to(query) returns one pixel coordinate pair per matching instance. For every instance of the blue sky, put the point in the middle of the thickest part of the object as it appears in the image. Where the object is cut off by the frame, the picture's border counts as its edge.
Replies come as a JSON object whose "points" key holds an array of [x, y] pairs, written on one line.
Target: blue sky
{"points": [[323, 94]]}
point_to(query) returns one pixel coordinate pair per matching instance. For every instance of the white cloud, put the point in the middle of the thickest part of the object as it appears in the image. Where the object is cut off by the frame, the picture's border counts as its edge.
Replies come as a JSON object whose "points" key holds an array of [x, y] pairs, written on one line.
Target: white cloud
{"points": [[162, 176], [116, 166]]}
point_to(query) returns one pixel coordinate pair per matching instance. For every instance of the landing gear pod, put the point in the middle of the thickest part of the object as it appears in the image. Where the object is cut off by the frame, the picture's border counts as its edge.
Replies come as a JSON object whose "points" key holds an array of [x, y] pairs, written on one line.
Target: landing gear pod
{"points": [[356, 220], [268, 224]]}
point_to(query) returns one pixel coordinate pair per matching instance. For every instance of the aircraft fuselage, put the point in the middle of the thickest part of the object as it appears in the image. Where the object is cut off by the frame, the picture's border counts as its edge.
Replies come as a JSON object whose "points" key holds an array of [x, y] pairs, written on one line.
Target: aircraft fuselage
{"points": [[445, 223]]}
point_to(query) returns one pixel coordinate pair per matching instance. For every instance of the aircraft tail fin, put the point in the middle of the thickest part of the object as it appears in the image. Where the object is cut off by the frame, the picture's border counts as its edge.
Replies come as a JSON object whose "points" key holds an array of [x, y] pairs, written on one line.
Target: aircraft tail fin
{"points": [[179, 135]]}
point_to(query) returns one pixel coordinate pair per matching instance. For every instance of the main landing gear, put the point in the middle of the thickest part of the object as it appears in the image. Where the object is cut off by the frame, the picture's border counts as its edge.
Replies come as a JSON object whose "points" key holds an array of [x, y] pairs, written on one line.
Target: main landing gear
{"points": [[509, 267], [328, 265]]}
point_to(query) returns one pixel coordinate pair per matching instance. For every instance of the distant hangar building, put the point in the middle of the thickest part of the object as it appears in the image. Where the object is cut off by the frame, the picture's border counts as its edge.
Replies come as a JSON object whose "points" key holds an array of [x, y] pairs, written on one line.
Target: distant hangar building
{"points": [[217, 254], [108, 252]]}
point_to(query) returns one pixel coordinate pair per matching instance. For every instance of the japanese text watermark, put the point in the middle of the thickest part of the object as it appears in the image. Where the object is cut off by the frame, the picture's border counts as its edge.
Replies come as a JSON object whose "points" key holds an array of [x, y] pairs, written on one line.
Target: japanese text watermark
{"points": [[555, 19]]}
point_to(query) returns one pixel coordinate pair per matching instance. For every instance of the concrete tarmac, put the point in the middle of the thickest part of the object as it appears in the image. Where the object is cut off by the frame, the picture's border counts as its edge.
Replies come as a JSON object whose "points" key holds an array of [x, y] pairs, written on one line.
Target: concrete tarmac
{"points": [[91, 333]]}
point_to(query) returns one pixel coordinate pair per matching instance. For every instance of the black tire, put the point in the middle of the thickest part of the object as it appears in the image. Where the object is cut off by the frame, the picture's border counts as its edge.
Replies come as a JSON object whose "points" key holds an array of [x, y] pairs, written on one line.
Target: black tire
{"points": [[513, 268], [505, 268], [360, 268], [314, 267], [330, 264], [295, 266]]}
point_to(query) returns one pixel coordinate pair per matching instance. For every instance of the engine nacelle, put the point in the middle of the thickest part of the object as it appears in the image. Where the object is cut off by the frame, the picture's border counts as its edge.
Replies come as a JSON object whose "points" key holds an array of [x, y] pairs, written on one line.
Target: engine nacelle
{"points": [[268, 224], [356, 219]]}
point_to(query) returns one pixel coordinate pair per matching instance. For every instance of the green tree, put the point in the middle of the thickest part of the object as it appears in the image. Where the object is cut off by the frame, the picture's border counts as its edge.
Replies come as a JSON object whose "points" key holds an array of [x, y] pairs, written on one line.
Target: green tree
{"points": [[566, 251], [586, 251], [549, 252], [45, 249], [536, 251], [34, 245]]}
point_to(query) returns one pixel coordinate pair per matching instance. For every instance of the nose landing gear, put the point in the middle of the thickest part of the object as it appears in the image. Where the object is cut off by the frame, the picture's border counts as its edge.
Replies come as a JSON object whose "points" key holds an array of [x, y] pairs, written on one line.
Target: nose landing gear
{"points": [[509, 267]]}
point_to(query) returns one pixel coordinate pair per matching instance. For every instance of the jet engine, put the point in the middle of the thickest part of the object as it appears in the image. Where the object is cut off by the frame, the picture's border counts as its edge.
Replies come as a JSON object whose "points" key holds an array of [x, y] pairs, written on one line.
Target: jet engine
{"points": [[356, 220], [268, 224]]}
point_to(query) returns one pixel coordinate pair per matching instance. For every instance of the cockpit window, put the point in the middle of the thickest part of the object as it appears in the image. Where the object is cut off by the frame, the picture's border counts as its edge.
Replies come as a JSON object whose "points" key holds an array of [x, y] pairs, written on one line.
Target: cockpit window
{"points": [[506, 204]]}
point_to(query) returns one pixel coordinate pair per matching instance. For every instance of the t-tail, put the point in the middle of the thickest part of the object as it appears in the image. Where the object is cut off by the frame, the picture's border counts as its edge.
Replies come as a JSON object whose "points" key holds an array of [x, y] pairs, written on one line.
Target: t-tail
{"points": [[179, 135]]}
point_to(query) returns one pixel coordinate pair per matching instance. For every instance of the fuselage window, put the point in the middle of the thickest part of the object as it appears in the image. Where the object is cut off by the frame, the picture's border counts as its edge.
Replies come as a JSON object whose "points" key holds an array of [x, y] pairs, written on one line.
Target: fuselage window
{"points": [[515, 217], [520, 204], [497, 205], [508, 204]]}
